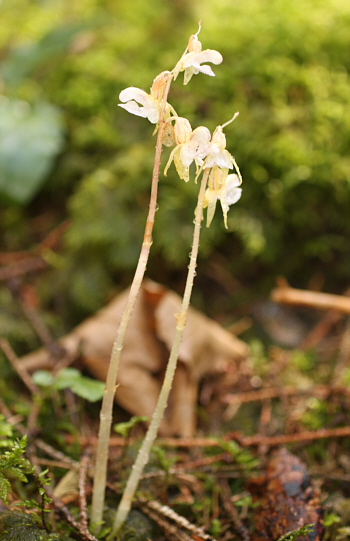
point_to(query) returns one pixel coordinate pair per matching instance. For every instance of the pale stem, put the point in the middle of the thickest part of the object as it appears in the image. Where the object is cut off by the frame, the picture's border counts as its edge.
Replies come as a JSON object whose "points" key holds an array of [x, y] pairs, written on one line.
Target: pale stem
{"points": [[145, 449], [100, 475]]}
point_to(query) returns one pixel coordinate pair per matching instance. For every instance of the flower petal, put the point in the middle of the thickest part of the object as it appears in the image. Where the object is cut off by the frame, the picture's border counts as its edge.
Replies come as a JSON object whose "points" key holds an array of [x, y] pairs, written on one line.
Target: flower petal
{"points": [[233, 192], [134, 93], [210, 199], [134, 109], [221, 158], [133, 96], [204, 69], [197, 147], [195, 59]]}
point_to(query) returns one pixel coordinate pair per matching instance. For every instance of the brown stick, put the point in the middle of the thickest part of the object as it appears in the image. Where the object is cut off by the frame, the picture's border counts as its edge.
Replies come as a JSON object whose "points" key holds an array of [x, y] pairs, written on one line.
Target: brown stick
{"points": [[319, 391], [82, 490], [284, 439], [19, 368], [323, 301]]}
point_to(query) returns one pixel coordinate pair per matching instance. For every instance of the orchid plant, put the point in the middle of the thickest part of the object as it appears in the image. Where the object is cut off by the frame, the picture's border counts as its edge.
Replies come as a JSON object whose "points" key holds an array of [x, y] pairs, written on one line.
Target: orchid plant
{"points": [[213, 163]]}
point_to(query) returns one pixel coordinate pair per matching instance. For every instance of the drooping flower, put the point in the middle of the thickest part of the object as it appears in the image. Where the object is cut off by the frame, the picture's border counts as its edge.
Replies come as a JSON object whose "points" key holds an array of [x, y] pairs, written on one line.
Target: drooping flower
{"points": [[192, 59], [223, 187], [218, 154], [192, 146], [138, 102]]}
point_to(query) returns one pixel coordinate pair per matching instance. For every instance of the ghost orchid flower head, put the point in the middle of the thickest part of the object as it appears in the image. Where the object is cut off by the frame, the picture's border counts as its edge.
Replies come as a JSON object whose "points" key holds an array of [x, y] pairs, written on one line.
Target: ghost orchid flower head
{"points": [[192, 59], [218, 154], [138, 102], [224, 187], [191, 146]]}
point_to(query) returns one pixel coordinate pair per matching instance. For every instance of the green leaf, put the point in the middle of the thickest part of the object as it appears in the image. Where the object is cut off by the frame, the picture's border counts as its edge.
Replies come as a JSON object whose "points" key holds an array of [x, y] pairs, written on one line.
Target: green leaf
{"points": [[89, 389], [30, 138], [65, 378], [5, 487], [43, 378], [82, 386], [71, 378], [125, 428]]}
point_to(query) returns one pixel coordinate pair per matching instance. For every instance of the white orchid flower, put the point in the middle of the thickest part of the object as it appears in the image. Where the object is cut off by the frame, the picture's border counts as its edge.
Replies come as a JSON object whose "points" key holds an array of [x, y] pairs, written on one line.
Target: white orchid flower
{"points": [[191, 64], [193, 58], [218, 154], [193, 146], [218, 157], [138, 102], [224, 187]]}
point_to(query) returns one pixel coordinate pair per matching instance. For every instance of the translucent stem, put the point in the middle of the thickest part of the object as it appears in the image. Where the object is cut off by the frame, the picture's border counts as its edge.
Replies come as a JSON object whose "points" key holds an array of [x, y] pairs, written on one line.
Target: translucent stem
{"points": [[144, 452], [100, 474]]}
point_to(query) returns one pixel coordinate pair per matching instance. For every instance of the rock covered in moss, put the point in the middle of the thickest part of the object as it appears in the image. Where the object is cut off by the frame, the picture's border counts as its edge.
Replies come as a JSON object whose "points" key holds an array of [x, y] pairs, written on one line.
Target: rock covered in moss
{"points": [[18, 526]]}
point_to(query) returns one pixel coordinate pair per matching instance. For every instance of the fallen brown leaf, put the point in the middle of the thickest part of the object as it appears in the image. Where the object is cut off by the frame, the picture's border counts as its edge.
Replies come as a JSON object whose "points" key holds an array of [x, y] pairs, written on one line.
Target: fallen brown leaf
{"points": [[206, 347]]}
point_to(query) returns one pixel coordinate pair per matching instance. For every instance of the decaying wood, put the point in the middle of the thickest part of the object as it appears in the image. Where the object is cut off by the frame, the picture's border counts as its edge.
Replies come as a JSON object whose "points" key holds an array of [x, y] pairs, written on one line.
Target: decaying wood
{"points": [[287, 499], [206, 348], [312, 299]]}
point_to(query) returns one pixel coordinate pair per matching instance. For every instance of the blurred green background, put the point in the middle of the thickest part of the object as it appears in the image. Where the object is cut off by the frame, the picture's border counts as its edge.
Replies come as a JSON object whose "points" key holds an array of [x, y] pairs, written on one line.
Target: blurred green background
{"points": [[68, 151]]}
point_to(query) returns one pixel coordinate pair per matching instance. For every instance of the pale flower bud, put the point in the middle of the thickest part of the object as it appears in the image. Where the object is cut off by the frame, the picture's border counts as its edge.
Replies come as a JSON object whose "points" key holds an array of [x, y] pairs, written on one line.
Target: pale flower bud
{"points": [[168, 135], [219, 138], [217, 178], [158, 85], [194, 45], [182, 130]]}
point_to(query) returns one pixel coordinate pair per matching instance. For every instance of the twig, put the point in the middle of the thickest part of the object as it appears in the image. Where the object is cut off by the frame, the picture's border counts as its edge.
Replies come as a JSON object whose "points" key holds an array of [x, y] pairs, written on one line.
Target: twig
{"points": [[36, 322], [20, 263], [53, 237], [82, 490], [344, 354], [321, 391], [171, 530], [181, 522], [85, 535], [312, 299], [284, 439], [16, 363], [323, 327], [231, 510], [55, 454], [27, 265]]}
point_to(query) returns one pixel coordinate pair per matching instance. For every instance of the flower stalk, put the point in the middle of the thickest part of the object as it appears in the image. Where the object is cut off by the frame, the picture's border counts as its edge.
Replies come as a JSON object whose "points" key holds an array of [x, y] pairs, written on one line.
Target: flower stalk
{"points": [[145, 449], [210, 157], [100, 474]]}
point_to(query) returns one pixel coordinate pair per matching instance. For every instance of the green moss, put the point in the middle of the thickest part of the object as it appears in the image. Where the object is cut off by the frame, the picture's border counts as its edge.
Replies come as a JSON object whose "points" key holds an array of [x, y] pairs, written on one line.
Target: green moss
{"points": [[17, 526]]}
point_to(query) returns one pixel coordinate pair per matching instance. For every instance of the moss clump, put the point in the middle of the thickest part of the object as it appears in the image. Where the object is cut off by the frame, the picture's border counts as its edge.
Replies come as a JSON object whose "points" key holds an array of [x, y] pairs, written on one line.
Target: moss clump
{"points": [[18, 526]]}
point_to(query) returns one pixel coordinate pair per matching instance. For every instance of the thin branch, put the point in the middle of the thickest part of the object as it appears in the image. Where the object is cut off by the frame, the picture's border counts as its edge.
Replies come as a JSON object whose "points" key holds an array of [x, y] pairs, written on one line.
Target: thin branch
{"points": [[16, 364], [312, 299], [82, 490]]}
